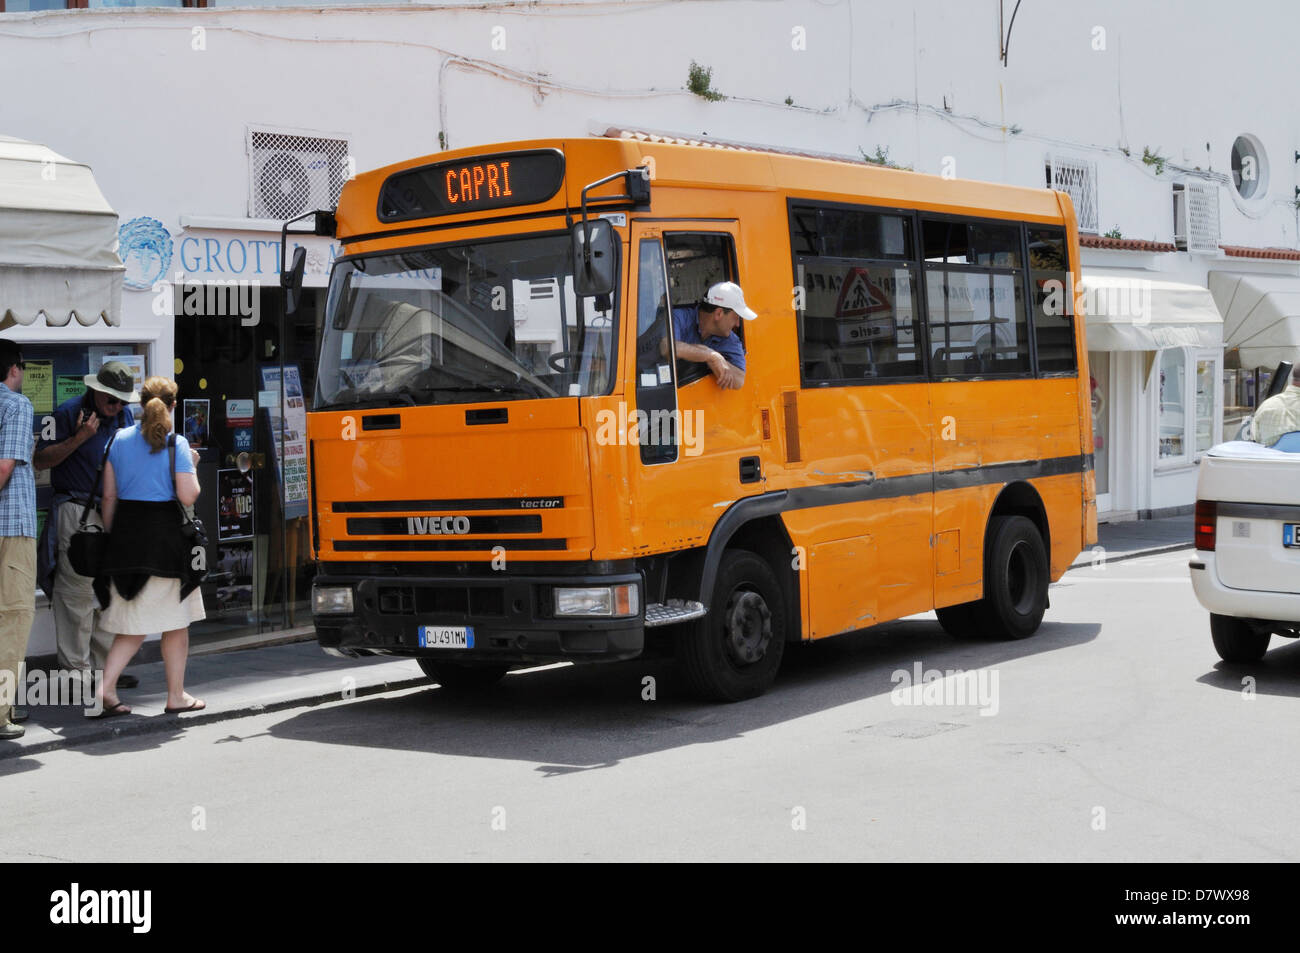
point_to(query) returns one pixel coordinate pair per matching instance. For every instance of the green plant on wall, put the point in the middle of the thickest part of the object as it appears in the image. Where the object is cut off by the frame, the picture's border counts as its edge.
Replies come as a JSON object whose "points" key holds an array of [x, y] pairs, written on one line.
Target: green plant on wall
{"points": [[1154, 159], [700, 82], [881, 157], [1113, 233]]}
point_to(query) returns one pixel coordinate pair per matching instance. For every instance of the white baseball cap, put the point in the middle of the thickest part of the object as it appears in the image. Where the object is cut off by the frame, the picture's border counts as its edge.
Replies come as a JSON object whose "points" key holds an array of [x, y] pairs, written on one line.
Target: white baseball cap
{"points": [[727, 294]]}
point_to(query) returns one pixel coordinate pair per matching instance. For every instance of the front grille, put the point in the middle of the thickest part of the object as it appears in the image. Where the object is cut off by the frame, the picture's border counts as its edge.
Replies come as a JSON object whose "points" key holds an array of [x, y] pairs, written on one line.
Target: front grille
{"points": [[453, 600]]}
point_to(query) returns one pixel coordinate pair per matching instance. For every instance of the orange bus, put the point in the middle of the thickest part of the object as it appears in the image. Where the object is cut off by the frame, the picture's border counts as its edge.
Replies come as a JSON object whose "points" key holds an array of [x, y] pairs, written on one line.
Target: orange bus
{"points": [[508, 468]]}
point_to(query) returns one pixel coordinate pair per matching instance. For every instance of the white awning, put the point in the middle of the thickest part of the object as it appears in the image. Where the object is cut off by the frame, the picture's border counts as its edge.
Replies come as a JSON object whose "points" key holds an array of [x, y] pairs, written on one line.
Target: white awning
{"points": [[58, 241], [1261, 316], [1137, 314]]}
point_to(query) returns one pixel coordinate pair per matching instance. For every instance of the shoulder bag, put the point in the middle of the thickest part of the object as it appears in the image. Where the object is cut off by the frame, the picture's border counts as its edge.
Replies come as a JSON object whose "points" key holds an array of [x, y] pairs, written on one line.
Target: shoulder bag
{"points": [[192, 527], [89, 543]]}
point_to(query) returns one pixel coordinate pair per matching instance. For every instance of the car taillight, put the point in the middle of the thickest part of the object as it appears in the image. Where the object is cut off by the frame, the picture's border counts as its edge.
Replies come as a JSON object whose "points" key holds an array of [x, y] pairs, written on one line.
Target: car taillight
{"points": [[1206, 516]]}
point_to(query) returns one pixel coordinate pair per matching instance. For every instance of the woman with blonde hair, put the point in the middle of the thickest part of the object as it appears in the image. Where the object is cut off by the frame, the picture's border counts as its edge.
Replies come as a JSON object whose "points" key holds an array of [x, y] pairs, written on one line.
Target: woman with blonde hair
{"points": [[150, 577]]}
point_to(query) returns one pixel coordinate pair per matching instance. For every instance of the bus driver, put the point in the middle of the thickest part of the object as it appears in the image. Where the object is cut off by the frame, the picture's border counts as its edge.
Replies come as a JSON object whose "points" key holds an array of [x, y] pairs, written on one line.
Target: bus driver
{"points": [[704, 333]]}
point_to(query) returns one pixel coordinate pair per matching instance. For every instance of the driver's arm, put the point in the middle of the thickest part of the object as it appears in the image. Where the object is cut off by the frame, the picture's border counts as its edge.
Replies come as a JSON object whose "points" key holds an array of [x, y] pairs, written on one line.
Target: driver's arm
{"points": [[729, 376]]}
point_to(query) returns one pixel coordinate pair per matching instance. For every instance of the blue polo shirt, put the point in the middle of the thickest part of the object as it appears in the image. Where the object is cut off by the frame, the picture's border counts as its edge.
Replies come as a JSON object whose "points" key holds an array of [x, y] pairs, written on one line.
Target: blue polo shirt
{"points": [[143, 473], [686, 328], [76, 474]]}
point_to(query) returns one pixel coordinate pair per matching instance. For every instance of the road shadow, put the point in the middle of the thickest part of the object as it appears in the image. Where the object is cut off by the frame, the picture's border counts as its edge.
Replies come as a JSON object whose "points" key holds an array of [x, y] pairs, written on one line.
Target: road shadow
{"points": [[1277, 673], [584, 717]]}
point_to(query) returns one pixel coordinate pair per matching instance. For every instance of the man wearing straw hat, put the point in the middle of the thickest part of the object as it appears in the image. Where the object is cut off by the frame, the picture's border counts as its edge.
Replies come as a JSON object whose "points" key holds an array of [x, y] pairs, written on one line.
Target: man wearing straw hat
{"points": [[83, 427]]}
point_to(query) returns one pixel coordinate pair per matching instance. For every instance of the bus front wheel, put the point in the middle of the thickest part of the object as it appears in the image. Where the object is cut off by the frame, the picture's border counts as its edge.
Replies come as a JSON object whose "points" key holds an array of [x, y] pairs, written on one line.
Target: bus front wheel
{"points": [[459, 677], [734, 651], [1016, 575]]}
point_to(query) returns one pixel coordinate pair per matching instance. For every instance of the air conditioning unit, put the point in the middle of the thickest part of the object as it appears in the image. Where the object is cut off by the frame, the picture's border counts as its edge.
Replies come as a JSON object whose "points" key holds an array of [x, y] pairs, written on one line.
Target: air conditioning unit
{"points": [[289, 182], [291, 173]]}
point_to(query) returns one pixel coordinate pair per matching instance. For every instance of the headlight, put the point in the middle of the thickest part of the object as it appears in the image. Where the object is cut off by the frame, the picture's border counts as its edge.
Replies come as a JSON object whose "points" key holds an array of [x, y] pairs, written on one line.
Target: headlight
{"points": [[332, 600], [607, 601]]}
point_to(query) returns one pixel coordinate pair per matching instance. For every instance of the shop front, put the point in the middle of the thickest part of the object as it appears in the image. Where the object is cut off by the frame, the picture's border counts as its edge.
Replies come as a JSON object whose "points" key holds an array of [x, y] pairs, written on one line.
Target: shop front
{"points": [[60, 295], [1261, 328], [1155, 353], [246, 372]]}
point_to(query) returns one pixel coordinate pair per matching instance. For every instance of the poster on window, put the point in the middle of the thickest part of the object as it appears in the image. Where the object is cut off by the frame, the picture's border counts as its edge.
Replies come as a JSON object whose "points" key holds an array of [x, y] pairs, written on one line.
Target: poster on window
{"points": [[289, 435], [228, 589], [195, 422], [234, 505]]}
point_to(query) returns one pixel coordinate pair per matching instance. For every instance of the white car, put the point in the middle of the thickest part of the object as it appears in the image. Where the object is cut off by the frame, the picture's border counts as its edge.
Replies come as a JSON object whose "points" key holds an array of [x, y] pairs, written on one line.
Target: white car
{"points": [[1247, 565]]}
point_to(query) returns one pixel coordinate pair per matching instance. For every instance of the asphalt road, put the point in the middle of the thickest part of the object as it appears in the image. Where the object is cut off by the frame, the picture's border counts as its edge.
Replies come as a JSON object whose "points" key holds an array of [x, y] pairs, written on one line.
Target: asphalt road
{"points": [[1114, 734]]}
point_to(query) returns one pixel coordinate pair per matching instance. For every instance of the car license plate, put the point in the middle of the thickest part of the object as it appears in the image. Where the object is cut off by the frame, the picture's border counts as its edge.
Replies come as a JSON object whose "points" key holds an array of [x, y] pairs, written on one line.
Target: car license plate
{"points": [[446, 637], [1291, 535]]}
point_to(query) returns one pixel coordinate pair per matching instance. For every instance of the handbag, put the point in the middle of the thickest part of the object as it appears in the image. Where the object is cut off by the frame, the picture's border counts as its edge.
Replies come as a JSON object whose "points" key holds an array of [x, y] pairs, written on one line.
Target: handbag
{"points": [[89, 544], [192, 528]]}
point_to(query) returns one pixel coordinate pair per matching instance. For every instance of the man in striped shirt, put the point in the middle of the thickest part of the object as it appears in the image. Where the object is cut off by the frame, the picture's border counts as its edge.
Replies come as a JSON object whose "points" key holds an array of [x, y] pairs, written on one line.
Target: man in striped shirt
{"points": [[17, 531]]}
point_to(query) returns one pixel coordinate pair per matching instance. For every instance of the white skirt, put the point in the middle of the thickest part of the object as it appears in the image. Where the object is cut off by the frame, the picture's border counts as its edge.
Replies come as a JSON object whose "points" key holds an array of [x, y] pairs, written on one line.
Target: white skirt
{"points": [[156, 608]]}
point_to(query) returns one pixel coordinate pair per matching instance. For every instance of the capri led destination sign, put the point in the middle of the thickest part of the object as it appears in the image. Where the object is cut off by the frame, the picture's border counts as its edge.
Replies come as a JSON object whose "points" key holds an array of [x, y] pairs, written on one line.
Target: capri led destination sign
{"points": [[472, 185]]}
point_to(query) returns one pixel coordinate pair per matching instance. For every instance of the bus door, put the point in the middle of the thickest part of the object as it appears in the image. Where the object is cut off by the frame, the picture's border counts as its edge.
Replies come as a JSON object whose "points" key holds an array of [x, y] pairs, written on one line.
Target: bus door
{"points": [[699, 450]]}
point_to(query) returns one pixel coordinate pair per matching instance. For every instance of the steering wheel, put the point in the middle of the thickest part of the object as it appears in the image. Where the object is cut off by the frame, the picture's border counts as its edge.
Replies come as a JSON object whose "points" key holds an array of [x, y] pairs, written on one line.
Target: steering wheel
{"points": [[560, 360]]}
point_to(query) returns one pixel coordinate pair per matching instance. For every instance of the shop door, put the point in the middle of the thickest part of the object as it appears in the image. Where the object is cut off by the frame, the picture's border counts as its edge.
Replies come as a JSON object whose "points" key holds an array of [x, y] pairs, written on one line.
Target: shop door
{"points": [[243, 392]]}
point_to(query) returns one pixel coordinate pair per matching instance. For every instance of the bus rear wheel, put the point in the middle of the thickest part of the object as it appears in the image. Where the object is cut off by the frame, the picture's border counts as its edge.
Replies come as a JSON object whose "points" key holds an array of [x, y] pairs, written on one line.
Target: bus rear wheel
{"points": [[961, 621], [1016, 576], [734, 651], [457, 676]]}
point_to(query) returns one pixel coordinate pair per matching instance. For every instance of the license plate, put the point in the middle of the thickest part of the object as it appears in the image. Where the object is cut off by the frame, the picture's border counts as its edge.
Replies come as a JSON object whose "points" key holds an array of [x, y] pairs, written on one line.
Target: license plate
{"points": [[1291, 535], [446, 637]]}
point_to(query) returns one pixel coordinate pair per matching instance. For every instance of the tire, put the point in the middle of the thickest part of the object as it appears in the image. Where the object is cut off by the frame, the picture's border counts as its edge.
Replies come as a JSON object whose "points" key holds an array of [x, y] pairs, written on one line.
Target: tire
{"points": [[734, 651], [458, 676], [1236, 640], [1016, 576], [961, 621]]}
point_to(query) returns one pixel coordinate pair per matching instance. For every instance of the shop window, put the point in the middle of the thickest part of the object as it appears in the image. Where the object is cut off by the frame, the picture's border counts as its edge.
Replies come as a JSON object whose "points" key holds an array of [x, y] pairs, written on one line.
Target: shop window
{"points": [[1171, 419], [1205, 383], [1187, 419]]}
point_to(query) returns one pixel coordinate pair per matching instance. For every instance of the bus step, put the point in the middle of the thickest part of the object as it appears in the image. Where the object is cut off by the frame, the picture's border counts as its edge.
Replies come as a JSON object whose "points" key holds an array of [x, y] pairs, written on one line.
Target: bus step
{"points": [[675, 610]]}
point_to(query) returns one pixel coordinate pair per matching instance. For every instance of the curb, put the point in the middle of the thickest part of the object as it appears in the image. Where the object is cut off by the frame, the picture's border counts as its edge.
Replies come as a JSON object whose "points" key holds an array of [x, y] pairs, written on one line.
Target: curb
{"points": [[153, 723], [1155, 551]]}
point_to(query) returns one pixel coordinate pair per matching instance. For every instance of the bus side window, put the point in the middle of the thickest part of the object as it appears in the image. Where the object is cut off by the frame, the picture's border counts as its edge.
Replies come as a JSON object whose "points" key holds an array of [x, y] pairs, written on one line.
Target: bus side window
{"points": [[696, 262]]}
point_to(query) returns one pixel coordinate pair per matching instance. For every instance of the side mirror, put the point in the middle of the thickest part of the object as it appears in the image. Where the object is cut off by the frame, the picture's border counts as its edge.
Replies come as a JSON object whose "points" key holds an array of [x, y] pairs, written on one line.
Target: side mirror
{"points": [[594, 257], [291, 280]]}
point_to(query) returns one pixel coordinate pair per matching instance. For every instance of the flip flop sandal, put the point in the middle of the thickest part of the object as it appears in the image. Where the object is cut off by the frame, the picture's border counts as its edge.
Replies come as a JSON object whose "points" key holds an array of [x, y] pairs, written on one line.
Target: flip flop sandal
{"points": [[197, 705], [112, 711]]}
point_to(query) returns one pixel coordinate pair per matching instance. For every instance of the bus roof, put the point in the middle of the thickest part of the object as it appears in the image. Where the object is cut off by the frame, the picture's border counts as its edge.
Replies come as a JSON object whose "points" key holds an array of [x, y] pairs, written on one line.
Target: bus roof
{"points": [[705, 166]]}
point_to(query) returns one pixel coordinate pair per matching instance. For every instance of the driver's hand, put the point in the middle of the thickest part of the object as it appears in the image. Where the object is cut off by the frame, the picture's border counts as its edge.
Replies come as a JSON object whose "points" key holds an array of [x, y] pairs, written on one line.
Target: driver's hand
{"points": [[728, 377]]}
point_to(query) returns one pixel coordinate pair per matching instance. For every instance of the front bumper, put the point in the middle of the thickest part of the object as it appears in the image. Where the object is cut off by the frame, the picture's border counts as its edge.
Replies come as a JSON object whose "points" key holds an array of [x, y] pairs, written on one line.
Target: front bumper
{"points": [[512, 618], [1240, 603]]}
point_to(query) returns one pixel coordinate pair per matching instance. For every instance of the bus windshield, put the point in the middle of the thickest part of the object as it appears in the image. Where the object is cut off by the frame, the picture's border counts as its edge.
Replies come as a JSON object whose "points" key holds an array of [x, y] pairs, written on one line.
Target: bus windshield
{"points": [[464, 323]]}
